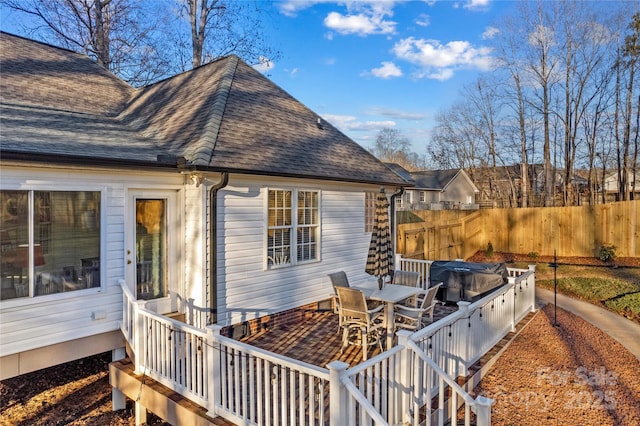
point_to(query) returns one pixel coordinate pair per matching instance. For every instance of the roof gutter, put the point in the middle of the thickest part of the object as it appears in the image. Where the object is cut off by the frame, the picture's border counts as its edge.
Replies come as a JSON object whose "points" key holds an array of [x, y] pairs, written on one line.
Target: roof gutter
{"points": [[213, 247], [394, 220]]}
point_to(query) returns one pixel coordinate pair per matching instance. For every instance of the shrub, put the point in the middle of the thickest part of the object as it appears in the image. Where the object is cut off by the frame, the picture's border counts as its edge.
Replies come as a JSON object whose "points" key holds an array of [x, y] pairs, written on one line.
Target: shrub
{"points": [[489, 252], [607, 252], [533, 255]]}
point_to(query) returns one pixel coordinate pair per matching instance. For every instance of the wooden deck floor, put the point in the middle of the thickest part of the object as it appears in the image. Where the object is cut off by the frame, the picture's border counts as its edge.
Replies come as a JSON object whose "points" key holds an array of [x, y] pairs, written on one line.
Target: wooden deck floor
{"points": [[316, 340]]}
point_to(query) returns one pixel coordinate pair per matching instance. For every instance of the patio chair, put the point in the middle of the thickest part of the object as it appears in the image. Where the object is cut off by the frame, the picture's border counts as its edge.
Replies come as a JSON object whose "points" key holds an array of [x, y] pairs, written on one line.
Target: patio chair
{"points": [[418, 311], [338, 279], [409, 278], [360, 325]]}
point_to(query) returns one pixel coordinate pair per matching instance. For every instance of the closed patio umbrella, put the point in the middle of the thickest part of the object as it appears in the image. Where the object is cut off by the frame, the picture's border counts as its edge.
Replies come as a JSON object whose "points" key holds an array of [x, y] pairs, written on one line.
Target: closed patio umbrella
{"points": [[380, 257]]}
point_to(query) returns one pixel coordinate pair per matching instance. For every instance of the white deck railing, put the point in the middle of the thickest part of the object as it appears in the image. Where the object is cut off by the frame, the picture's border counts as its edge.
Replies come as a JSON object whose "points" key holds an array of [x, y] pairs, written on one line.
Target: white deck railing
{"points": [[250, 386]]}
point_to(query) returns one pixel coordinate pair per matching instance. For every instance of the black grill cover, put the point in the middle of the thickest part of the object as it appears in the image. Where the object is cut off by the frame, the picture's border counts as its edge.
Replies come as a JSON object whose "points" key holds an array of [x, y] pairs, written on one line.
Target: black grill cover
{"points": [[466, 280]]}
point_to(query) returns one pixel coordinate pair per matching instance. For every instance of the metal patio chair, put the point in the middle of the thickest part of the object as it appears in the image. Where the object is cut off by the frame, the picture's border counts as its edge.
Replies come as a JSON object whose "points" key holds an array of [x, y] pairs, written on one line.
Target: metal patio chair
{"points": [[360, 325]]}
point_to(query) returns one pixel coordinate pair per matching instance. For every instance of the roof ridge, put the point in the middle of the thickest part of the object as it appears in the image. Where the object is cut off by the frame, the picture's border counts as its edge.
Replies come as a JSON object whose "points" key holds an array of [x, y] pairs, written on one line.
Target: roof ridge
{"points": [[208, 140]]}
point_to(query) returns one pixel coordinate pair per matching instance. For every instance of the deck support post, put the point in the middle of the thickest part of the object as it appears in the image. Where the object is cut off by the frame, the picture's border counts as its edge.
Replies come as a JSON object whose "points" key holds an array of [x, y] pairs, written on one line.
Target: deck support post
{"points": [[337, 394], [141, 414], [118, 398], [214, 376]]}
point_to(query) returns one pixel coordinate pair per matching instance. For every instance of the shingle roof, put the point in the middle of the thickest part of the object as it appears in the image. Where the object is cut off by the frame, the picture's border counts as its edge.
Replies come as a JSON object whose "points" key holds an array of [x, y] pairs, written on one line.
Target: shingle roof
{"points": [[224, 116], [433, 179]]}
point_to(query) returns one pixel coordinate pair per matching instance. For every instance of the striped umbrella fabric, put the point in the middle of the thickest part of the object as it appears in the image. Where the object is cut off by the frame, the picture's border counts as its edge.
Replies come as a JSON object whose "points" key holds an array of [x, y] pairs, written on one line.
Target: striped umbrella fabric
{"points": [[380, 257]]}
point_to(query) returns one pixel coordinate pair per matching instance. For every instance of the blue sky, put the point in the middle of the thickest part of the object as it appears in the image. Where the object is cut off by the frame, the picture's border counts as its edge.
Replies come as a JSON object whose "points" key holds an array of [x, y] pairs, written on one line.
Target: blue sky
{"points": [[367, 65]]}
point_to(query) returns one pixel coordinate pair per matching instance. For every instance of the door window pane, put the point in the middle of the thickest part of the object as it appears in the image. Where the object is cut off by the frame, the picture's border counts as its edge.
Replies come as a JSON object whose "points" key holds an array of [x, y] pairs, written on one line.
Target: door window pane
{"points": [[151, 248]]}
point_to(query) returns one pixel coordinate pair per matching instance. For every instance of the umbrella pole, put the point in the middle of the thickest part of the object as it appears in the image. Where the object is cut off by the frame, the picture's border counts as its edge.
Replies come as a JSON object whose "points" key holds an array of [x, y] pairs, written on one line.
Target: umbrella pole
{"points": [[380, 280]]}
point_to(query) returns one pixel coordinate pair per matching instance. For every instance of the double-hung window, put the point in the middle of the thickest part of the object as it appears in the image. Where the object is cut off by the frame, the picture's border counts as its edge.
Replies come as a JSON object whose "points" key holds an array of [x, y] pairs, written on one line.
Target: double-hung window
{"points": [[293, 230], [49, 242]]}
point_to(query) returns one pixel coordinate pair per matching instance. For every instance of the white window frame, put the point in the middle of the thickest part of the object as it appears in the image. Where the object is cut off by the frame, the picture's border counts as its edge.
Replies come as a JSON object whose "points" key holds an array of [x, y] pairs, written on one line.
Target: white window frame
{"points": [[61, 187], [369, 210], [294, 225]]}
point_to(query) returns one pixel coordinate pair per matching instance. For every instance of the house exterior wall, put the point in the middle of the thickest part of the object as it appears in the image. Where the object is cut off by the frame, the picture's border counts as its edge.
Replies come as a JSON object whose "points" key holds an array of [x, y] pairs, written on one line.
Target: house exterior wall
{"points": [[459, 190], [246, 288], [32, 324]]}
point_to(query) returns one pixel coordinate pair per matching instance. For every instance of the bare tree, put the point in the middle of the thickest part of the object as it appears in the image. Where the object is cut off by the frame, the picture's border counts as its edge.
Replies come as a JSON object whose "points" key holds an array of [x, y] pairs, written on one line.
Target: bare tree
{"points": [[222, 27], [393, 147], [145, 40], [625, 80], [121, 35]]}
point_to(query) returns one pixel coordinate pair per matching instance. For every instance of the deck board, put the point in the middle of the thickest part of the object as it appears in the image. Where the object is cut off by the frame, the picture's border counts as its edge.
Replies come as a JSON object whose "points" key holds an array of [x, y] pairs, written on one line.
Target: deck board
{"points": [[317, 340]]}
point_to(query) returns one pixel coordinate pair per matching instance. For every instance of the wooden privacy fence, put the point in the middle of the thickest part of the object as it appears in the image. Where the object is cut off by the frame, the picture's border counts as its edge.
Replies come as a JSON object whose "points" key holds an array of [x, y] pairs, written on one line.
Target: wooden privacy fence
{"points": [[441, 236], [570, 231]]}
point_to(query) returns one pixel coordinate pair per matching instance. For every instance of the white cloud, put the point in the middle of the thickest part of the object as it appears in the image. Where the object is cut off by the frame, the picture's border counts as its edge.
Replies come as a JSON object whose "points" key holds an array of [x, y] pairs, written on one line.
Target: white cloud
{"points": [[264, 64], [489, 33], [292, 72], [396, 114], [291, 7], [439, 61], [348, 123], [477, 4], [361, 24], [423, 20], [387, 70]]}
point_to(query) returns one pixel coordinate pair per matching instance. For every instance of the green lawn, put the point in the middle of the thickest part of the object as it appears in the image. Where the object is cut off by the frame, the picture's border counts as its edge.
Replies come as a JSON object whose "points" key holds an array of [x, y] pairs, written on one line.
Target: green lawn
{"points": [[617, 289]]}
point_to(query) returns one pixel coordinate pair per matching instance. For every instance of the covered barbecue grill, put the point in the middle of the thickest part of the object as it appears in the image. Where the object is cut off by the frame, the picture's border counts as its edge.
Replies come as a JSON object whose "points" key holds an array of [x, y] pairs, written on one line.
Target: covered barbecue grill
{"points": [[466, 280]]}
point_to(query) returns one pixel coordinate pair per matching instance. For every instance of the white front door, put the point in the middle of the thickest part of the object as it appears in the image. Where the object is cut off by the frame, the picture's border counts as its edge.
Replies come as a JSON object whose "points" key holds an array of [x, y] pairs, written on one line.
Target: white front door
{"points": [[152, 261]]}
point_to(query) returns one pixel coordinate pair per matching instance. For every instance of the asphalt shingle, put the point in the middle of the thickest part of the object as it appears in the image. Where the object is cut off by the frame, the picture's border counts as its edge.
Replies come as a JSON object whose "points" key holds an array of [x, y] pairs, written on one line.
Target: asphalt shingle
{"points": [[224, 116]]}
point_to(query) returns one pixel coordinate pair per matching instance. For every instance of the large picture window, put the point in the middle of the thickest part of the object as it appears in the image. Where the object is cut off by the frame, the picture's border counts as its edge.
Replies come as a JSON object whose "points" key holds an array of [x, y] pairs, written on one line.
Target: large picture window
{"points": [[293, 227], [49, 242]]}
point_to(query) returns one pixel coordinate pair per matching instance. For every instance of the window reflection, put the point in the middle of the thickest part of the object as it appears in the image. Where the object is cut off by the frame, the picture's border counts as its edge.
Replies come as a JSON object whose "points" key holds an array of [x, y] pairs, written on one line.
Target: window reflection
{"points": [[62, 255]]}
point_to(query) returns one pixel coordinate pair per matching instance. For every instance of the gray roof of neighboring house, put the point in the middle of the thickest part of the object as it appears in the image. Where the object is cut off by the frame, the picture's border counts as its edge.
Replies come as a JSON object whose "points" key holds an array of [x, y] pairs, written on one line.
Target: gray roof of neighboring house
{"points": [[426, 179], [433, 179], [224, 116]]}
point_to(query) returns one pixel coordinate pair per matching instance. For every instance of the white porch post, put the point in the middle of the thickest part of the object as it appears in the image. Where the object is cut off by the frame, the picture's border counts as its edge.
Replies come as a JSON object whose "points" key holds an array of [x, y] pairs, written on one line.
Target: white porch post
{"points": [[118, 399], [214, 372], [465, 340], [337, 394], [483, 410], [401, 413], [139, 338]]}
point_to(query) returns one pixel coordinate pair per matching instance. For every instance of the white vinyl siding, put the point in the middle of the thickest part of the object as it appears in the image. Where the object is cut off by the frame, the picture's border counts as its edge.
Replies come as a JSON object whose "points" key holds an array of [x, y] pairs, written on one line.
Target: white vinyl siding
{"points": [[31, 323], [246, 288]]}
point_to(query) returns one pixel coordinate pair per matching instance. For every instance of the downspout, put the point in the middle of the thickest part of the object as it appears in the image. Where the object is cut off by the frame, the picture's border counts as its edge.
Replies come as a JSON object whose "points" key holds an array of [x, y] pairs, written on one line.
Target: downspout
{"points": [[394, 220], [213, 245]]}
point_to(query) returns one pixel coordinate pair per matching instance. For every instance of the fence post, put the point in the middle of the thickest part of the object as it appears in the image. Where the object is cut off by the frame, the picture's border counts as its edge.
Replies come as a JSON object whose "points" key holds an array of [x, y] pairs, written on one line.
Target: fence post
{"points": [[483, 410], [465, 340], [337, 394], [214, 371]]}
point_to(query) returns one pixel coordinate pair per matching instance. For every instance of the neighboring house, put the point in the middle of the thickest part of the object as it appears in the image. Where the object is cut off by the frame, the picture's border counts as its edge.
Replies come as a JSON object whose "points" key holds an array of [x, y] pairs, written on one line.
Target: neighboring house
{"points": [[214, 188], [436, 189], [611, 185]]}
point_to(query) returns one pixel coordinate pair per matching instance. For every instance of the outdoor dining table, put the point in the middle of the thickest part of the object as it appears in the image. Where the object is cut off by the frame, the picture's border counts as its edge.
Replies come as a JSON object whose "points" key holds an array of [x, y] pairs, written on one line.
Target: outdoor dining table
{"points": [[390, 294]]}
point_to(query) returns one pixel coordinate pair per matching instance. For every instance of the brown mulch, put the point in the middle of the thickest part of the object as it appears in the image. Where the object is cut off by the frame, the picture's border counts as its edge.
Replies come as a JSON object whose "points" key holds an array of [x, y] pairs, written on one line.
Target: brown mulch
{"points": [[75, 393], [572, 374], [480, 256]]}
